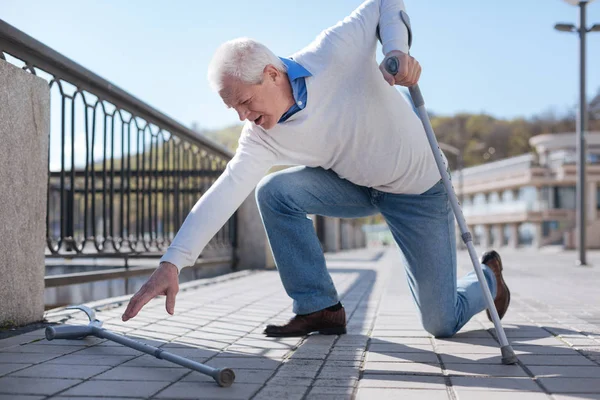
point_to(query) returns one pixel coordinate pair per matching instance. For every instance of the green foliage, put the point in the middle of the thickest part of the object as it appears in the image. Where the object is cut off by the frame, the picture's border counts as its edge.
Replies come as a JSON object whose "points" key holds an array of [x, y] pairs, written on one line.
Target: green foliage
{"points": [[483, 138], [227, 137]]}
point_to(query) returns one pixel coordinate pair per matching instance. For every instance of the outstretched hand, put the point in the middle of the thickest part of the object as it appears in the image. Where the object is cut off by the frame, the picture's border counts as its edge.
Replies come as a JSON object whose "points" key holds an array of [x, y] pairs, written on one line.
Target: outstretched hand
{"points": [[163, 281], [409, 70]]}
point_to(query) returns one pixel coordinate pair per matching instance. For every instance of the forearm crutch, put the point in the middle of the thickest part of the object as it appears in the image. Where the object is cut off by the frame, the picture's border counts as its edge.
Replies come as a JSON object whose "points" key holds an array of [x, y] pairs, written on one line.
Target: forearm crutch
{"points": [[392, 65], [223, 376]]}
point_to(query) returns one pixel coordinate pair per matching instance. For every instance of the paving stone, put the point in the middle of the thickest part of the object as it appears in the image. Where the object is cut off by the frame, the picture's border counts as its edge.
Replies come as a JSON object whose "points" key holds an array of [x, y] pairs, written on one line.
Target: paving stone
{"points": [[400, 333], [244, 363], [8, 368], [468, 383], [394, 394], [194, 390], [61, 371], [402, 368], [297, 372], [402, 381], [350, 381], [546, 341], [399, 348], [496, 370], [125, 373], [491, 395], [36, 348], [338, 373], [74, 359], [328, 392], [111, 388], [108, 350], [21, 397], [487, 342], [424, 357], [19, 385], [279, 380], [534, 359], [571, 385], [12, 341], [565, 371], [96, 398], [463, 348], [555, 350], [282, 392], [464, 358]]}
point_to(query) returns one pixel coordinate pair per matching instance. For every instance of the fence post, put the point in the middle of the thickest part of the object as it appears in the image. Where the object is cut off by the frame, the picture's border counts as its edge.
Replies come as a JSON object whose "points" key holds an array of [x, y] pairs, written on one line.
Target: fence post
{"points": [[24, 131]]}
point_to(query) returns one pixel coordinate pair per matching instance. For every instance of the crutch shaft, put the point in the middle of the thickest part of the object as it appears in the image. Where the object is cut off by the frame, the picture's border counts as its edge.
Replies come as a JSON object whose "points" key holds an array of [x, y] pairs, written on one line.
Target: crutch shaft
{"points": [[223, 376], [508, 356]]}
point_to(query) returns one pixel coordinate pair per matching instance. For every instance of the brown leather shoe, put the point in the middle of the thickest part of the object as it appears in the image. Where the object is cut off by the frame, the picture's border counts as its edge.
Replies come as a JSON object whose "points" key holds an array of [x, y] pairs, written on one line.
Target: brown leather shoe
{"points": [[325, 322], [492, 259]]}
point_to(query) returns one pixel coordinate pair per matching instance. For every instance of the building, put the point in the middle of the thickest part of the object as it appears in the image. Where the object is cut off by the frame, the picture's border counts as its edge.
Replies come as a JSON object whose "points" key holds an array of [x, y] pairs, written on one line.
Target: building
{"points": [[529, 200]]}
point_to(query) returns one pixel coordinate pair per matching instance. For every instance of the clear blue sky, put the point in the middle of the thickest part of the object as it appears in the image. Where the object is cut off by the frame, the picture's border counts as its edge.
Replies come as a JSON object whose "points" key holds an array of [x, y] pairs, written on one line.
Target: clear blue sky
{"points": [[499, 57]]}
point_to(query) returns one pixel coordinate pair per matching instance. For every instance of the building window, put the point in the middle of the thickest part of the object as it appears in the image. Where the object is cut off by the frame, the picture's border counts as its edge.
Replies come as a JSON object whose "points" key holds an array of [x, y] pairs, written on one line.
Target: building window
{"points": [[565, 197], [526, 233]]}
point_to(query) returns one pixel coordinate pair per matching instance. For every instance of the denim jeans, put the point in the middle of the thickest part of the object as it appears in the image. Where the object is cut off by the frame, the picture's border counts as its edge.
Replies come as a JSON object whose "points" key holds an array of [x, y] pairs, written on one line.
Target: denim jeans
{"points": [[422, 226]]}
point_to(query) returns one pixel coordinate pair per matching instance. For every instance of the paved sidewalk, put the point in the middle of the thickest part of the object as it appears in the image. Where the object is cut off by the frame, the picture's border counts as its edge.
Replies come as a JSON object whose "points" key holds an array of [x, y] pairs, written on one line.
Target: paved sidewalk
{"points": [[553, 324]]}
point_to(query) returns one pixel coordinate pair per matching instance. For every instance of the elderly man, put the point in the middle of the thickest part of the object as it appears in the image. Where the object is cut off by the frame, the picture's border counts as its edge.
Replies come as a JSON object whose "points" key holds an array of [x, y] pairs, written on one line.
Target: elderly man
{"points": [[359, 150]]}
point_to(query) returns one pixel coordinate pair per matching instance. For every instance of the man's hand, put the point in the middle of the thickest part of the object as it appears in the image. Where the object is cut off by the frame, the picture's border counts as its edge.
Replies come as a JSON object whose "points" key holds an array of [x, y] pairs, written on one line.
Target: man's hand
{"points": [[163, 281], [409, 70]]}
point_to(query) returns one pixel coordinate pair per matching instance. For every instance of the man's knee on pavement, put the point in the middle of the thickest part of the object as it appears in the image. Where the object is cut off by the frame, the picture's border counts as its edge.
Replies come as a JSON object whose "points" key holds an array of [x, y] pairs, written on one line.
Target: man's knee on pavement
{"points": [[440, 328]]}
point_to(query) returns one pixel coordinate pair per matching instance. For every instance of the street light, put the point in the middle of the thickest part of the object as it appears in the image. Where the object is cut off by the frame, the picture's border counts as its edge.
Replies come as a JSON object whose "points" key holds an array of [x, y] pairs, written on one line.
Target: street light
{"points": [[581, 121]]}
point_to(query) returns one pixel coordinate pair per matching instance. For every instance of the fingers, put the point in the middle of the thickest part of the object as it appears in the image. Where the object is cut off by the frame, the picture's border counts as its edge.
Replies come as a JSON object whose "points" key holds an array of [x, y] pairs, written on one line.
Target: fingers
{"points": [[411, 74], [139, 300], [389, 78], [409, 70], [170, 304]]}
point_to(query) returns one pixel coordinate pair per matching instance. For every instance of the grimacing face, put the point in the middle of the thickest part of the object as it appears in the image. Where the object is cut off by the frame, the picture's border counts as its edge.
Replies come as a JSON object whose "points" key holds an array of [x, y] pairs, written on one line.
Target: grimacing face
{"points": [[263, 103]]}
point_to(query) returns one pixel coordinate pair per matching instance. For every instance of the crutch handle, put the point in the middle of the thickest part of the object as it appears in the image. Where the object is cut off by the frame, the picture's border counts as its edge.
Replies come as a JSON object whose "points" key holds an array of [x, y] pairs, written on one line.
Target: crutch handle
{"points": [[68, 332], [392, 65]]}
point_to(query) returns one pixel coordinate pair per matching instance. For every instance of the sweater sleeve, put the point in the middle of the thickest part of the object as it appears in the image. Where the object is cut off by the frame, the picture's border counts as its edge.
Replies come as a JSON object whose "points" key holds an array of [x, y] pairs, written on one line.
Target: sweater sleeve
{"points": [[358, 30], [250, 163]]}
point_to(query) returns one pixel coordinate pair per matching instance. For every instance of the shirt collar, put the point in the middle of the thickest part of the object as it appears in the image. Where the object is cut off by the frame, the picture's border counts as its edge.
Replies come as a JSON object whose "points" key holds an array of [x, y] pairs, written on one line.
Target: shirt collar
{"points": [[294, 70]]}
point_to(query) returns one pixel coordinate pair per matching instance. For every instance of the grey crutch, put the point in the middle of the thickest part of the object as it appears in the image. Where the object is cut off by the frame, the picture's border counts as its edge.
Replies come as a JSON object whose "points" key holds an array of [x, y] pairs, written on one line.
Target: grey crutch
{"points": [[392, 65], [223, 376]]}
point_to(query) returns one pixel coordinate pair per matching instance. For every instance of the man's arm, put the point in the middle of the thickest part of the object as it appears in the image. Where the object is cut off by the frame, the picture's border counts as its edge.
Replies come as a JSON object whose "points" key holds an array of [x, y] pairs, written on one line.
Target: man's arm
{"points": [[356, 37], [359, 29], [243, 172]]}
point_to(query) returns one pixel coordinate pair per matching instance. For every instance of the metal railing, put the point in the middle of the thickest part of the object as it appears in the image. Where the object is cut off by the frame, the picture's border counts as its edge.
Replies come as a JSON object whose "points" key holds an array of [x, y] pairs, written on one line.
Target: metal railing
{"points": [[121, 175]]}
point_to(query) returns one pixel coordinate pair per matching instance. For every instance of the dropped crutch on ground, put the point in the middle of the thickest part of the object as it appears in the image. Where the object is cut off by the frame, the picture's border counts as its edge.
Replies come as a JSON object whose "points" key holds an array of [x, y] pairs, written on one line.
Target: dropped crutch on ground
{"points": [[392, 65], [223, 376]]}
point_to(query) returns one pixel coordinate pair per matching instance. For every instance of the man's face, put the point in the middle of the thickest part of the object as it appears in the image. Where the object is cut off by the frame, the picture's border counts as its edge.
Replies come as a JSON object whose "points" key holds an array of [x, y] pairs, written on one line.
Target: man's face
{"points": [[264, 103]]}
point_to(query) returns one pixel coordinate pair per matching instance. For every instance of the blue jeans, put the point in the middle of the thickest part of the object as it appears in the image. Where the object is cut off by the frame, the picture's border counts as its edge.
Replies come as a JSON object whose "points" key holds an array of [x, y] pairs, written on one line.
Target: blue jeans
{"points": [[422, 225]]}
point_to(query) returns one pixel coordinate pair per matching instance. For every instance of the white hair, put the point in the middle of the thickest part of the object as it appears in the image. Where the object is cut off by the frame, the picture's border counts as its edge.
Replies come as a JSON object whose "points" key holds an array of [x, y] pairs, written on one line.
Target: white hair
{"points": [[242, 58]]}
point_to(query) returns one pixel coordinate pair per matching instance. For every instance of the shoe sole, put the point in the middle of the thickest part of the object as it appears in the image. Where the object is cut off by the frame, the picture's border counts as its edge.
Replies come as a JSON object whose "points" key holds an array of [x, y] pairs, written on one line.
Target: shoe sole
{"points": [[326, 331]]}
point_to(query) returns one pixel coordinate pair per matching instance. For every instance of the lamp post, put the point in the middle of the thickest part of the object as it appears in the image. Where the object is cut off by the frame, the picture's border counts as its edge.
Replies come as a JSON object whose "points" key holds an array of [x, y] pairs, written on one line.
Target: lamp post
{"points": [[581, 122]]}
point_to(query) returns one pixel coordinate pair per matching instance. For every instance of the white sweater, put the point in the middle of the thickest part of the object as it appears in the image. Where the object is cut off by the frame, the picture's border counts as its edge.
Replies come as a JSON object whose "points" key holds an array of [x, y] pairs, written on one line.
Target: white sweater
{"points": [[354, 123]]}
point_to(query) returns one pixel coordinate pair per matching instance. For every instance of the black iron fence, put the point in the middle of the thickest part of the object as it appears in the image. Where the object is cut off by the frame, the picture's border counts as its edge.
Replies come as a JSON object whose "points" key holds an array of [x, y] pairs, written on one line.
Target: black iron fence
{"points": [[122, 176]]}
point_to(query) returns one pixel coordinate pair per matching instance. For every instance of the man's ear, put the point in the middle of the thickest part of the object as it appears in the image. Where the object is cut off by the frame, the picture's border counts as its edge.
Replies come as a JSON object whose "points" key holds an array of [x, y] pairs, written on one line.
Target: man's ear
{"points": [[272, 73]]}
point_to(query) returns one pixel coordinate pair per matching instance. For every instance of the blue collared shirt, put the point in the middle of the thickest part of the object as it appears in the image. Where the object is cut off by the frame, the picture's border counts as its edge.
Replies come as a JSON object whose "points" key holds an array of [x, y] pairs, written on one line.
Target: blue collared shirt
{"points": [[296, 73]]}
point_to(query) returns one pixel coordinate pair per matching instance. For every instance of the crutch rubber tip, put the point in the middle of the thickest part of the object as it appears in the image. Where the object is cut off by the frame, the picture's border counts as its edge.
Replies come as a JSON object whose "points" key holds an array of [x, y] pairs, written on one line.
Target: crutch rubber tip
{"points": [[50, 333], [225, 377], [508, 355]]}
